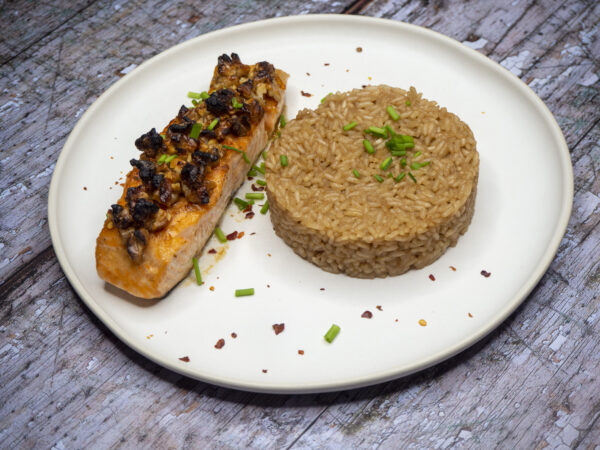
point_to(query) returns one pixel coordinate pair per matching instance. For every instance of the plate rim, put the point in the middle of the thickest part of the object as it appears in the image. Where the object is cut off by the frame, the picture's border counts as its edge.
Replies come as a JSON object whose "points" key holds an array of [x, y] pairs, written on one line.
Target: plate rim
{"points": [[352, 382]]}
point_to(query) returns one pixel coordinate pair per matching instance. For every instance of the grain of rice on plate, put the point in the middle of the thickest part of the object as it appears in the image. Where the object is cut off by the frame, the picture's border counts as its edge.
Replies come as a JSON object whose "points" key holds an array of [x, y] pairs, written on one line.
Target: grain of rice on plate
{"points": [[337, 205]]}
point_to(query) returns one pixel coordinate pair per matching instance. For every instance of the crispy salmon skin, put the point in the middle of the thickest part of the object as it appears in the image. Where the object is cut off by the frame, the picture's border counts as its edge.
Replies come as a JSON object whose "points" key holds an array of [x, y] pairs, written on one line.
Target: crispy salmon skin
{"points": [[185, 177]]}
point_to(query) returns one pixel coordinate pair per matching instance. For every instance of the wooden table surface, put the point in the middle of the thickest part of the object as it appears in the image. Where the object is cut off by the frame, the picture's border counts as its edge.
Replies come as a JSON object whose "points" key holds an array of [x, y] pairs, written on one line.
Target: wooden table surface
{"points": [[67, 382]]}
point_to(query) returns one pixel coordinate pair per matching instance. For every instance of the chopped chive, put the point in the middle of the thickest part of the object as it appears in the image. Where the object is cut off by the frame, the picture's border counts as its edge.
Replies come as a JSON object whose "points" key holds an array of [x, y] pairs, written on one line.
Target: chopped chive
{"points": [[164, 136], [412, 177], [264, 154], [349, 126], [278, 133], [403, 162], [417, 154], [356, 173], [389, 175], [236, 104], [195, 102], [368, 147], [261, 182], [260, 169], [229, 147], [408, 139], [204, 95], [255, 196], [407, 102], [196, 95], [377, 132], [284, 160], [332, 333], [392, 112], [197, 271], [241, 204], [399, 177], [323, 99], [390, 131], [220, 235], [398, 153], [244, 292], [196, 129], [282, 121], [252, 172], [213, 124], [416, 165], [162, 159], [265, 208], [170, 158], [387, 162], [378, 178]]}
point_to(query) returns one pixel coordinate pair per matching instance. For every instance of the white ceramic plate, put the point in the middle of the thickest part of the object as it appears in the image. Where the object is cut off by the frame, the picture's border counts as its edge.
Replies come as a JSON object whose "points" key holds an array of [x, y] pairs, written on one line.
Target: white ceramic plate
{"points": [[523, 205]]}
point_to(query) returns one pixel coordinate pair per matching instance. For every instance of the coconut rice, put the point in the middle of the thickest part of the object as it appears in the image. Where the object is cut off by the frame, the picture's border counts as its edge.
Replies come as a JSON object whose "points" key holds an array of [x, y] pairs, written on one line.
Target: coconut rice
{"points": [[361, 226]]}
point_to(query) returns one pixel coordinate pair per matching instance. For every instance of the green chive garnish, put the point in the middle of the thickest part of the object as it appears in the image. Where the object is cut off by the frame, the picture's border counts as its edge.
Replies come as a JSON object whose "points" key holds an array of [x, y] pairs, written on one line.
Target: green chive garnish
{"points": [[220, 235], [264, 154], [323, 99], [368, 147], [399, 177], [195, 102], [261, 182], [356, 173], [196, 95], [403, 162], [213, 124], [164, 136], [252, 172], [377, 132], [236, 104], [241, 204], [162, 159], [260, 168], [332, 333], [229, 147], [398, 153], [204, 95], [392, 112], [255, 196], [378, 178], [387, 162], [284, 160], [282, 121], [265, 208], [389, 175], [196, 129], [412, 177], [349, 126], [197, 271], [170, 158], [416, 165], [407, 102], [417, 154], [390, 131], [244, 292]]}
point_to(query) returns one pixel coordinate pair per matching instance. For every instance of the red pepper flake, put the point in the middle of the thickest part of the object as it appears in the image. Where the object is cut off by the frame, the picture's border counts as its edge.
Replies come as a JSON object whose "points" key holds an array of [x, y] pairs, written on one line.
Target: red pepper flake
{"points": [[485, 273], [234, 335], [301, 352], [396, 320], [358, 49], [249, 215], [264, 371], [185, 359], [250, 178], [423, 322], [212, 251], [322, 289], [85, 188], [379, 307], [470, 315], [252, 234], [220, 344], [367, 315], [364, 86], [326, 64], [232, 236], [269, 255], [431, 277], [278, 327], [307, 74], [212, 288], [453, 268], [257, 188], [116, 182], [241, 234], [247, 209], [112, 157], [306, 94]]}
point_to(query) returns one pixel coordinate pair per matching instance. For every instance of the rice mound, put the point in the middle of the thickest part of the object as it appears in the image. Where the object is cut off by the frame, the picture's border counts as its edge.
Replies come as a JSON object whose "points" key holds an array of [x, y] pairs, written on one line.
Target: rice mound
{"points": [[359, 226]]}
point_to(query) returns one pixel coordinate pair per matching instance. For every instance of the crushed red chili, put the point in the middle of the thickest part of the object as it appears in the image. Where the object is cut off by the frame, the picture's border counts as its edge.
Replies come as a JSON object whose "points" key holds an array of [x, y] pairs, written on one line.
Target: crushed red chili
{"points": [[220, 343], [379, 307], [301, 352], [367, 315], [278, 327], [431, 277], [232, 236], [234, 335], [485, 273], [306, 94], [212, 251], [249, 215], [185, 359]]}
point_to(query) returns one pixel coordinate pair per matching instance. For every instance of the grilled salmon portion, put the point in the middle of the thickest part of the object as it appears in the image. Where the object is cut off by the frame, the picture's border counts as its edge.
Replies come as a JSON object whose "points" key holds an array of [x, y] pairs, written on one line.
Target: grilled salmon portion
{"points": [[185, 177]]}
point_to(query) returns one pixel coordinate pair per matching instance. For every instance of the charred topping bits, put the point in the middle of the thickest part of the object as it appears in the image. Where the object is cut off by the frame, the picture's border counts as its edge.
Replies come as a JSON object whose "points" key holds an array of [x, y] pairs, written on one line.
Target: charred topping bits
{"points": [[174, 166]]}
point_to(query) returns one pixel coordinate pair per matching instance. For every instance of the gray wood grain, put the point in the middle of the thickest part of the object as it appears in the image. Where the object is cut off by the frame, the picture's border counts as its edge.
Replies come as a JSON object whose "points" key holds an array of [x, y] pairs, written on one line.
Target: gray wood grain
{"points": [[67, 382]]}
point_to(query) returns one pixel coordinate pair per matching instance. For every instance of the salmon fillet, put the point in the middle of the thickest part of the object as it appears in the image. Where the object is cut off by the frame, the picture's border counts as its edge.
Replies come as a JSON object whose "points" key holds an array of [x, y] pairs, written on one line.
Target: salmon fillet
{"points": [[177, 191]]}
